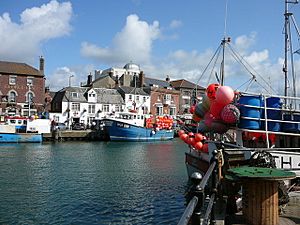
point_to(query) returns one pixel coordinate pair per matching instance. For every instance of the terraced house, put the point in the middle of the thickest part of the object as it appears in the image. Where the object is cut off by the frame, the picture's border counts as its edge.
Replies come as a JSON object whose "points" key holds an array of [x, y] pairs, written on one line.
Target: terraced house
{"points": [[22, 88]]}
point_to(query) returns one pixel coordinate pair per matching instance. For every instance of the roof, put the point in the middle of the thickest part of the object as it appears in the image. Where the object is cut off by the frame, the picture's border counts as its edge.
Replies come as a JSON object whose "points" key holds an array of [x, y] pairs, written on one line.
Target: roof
{"points": [[182, 83], [109, 96], [159, 83], [18, 69], [104, 95], [132, 90]]}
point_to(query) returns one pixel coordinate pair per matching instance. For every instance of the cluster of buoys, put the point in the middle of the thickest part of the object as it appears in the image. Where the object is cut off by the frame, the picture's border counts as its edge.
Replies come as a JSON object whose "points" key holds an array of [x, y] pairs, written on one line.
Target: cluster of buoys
{"points": [[194, 140], [216, 112], [159, 122]]}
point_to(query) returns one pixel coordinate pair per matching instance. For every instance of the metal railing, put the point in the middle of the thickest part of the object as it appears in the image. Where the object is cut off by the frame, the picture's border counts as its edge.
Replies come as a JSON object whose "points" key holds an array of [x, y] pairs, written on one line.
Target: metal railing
{"points": [[193, 213]]}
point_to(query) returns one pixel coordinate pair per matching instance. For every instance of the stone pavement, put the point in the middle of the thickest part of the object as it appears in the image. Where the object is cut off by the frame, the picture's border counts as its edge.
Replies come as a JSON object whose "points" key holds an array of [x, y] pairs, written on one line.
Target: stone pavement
{"points": [[292, 209]]}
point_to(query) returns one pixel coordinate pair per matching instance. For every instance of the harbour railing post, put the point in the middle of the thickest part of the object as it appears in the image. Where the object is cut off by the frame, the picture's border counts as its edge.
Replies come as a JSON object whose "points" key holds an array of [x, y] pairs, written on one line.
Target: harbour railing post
{"points": [[198, 192], [214, 185]]}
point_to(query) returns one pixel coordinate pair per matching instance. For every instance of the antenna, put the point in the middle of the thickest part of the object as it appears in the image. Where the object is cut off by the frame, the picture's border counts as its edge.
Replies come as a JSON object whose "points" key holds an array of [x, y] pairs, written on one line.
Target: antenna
{"points": [[225, 19]]}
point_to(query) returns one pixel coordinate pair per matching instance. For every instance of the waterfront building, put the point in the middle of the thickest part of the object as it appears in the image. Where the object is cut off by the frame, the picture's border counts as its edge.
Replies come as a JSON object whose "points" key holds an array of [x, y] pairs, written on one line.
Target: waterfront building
{"points": [[135, 99], [22, 88], [189, 94], [84, 104], [164, 98]]}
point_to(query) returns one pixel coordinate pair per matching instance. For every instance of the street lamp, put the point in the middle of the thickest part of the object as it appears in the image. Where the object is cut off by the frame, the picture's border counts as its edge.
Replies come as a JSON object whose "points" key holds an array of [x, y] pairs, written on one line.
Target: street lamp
{"points": [[29, 98], [69, 95]]}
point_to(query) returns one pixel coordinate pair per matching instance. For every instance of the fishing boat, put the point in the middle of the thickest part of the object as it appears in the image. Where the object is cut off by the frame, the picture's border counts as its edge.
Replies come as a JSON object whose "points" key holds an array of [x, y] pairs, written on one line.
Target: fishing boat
{"points": [[261, 127], [18, 129], [244, 160], [130, 126]]}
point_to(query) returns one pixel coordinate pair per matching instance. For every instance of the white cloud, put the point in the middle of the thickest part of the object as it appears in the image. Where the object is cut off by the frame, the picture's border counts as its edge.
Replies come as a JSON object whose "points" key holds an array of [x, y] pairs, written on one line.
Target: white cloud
{"points": [[175, 24], [22, 41], [182, 64], [60, 78], [134, 43]]}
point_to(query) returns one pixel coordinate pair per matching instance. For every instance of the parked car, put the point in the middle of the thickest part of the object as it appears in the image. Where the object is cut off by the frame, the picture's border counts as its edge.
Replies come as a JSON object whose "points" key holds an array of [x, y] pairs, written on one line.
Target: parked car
{"points": [[61, 126], [78, 126]]}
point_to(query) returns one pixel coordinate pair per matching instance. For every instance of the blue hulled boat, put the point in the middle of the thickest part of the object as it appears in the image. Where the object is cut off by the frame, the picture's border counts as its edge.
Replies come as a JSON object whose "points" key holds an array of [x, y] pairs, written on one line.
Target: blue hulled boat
{"points": [[20, 138], [17, 129], [132, 127]]}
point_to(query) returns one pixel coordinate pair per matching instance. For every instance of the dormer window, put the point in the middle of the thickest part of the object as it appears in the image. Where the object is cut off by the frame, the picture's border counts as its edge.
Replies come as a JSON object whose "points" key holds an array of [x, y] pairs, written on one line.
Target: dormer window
{"points": [[12, 80], [74, 94]]}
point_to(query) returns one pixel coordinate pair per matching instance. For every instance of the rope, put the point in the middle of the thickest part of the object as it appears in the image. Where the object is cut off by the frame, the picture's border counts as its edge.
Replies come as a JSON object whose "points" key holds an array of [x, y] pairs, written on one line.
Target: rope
{"points": [[221, 157], [239, 59], [218, 49]]}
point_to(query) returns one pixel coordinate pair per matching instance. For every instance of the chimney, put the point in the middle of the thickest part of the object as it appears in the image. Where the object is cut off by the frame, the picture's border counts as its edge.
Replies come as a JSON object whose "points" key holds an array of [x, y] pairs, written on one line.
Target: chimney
{"points": [[168, 79], [142, 79], [89, 79], [42, 64]]}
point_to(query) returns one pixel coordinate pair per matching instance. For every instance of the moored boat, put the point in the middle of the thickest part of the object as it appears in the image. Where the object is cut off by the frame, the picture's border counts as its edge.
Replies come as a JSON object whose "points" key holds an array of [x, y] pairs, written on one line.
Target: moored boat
{"points": [[134, 127], [17, 129], [264, 125]]}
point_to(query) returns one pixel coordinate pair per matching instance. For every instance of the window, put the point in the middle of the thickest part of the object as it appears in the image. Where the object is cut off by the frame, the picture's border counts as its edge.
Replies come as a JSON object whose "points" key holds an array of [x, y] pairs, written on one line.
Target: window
{"points": [[74, 94], [173, 111], [105, 108], [12, 96], [92, 95], [138, 98], [186, 93], [167, 97], [130, 97], [29, 97], [118, 108], [144, 99], [90, 120], [159, 110], [30, 81], [91, 109], [12, 80], [75, 107]]}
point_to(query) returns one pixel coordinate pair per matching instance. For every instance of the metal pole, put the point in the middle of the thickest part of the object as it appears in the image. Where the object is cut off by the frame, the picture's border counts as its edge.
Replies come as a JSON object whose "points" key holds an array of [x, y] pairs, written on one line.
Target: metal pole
{"points": [[223, 62], [29, 100], [69, 95], [285, 71]]}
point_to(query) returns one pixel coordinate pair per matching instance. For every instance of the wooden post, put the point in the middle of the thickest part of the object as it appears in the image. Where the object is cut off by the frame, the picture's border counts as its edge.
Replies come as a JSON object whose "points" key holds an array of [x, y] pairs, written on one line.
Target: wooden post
{"points": [[260, 192]]}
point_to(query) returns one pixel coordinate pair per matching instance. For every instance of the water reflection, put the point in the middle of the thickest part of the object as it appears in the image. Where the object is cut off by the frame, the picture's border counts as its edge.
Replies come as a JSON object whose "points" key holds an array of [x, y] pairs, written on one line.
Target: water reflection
{"points": [[92, 183]]}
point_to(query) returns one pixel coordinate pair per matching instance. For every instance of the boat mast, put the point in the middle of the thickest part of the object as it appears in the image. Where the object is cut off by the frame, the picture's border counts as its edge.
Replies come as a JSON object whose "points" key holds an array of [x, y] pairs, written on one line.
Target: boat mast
{"points": [[222, 75], [223, 43], [288, 48]]}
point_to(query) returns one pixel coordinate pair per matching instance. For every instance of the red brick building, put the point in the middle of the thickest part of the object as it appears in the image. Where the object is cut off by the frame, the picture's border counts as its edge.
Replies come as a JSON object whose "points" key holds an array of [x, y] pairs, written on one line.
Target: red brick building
{"points": [[22, 88], [164, 99]]}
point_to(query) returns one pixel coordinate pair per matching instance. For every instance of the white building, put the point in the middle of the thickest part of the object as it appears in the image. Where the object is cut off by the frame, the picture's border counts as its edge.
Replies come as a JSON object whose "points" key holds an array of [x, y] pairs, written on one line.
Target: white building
{"points": [[135, 99], [128, 69], [83, 105]]}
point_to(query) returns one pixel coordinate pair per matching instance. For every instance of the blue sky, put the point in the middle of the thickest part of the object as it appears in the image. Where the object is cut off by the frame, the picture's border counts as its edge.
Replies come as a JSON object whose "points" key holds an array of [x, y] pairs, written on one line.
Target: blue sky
{"points": [[175, 38]]}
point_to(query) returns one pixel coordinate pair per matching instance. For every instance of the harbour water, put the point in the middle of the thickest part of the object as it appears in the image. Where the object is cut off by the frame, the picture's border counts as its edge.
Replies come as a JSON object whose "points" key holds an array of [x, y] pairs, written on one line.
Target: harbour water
{"points": [[92, 183]]}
